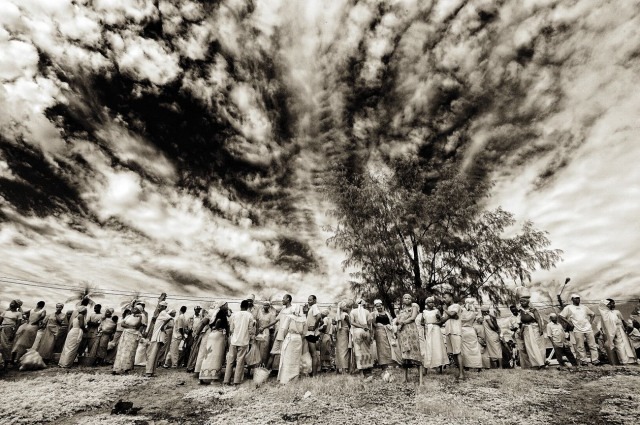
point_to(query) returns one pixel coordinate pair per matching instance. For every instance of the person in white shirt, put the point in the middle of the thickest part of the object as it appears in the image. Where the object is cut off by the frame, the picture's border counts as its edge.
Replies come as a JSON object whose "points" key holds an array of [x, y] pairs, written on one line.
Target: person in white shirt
{"points": [[581, 318], [179, 332], [280, 332], [242, 326], [157, 338]]}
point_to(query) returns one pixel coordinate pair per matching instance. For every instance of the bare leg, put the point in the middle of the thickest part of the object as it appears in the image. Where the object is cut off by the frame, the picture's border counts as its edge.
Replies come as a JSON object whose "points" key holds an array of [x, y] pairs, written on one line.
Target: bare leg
{"points": [[421, 370], [460, 366]]}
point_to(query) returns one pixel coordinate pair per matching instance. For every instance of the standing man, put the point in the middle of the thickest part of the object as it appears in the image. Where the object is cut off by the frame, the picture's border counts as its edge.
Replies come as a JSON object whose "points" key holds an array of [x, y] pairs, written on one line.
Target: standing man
{"points": [[453, 330], [157, 338], [558, 337], [178, 335], [314, 319], [264, 317], [242, 326], [287, 309], [581, 318], [192, 323]]}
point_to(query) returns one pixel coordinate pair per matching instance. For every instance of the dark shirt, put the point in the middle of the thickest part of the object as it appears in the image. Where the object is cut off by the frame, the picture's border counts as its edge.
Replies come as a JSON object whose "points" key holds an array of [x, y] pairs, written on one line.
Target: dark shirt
{"points": [[383, 319]]}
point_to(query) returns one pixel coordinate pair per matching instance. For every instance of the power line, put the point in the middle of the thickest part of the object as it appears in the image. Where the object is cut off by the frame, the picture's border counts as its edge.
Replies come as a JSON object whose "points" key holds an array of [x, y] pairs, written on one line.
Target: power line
{"points": [[195, 298]]}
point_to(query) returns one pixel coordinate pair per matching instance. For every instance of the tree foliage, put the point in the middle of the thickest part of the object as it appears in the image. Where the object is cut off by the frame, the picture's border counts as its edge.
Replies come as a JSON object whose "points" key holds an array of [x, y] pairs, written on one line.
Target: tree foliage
{"points": [[410, 231]]}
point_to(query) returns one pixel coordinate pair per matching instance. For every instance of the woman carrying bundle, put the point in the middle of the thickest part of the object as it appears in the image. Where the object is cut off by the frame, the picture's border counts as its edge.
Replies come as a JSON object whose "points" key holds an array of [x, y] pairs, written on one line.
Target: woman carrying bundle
{"points": [[128, 344], [361, 336], [295, 326]]}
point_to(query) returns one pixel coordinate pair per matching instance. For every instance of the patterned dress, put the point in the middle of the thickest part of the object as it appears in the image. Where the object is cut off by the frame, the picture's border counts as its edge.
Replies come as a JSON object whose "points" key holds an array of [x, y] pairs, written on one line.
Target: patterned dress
{"points": [[408, 336]]}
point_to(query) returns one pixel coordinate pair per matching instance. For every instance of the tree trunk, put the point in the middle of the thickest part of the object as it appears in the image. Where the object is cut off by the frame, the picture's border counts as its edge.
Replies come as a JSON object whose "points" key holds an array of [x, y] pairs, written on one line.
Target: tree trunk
{"points": [[417, 279]]}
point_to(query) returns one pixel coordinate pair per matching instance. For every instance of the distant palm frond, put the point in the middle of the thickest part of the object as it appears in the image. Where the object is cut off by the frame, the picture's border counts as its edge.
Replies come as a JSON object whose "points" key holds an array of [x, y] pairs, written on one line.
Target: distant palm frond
{"points": [[87, 290]]}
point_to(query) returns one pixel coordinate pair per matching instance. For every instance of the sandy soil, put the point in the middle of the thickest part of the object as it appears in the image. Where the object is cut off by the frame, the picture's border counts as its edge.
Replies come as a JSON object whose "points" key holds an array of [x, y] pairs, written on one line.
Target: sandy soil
{"points": [[602, 395]]}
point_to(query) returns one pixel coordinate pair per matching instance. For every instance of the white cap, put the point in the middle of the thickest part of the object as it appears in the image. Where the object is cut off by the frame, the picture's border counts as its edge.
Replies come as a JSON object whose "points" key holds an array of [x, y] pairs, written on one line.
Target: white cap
{"points": [[575, 296]]}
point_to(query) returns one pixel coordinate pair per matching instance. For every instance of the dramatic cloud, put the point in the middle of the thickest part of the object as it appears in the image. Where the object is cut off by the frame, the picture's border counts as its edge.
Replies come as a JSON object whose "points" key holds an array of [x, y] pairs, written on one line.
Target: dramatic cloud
{"points": [[178, 145]]}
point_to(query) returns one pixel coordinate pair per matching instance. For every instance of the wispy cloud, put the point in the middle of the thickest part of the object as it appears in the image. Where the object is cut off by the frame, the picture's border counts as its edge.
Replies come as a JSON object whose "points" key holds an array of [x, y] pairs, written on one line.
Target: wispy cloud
{"points": [[178, 145]]}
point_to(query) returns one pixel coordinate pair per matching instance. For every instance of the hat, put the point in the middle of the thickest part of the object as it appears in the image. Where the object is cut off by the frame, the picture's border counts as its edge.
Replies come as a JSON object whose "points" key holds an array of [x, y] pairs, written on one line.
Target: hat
{"points": [[163, 303], [575, 296], [553, 315], [197, 307]]}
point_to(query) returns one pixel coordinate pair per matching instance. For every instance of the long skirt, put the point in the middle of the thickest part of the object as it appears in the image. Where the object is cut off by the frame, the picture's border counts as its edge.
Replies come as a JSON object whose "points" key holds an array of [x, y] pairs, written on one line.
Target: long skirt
{"points": [[362, 349], [213, 357], [70, 350], [264, 346], [193, 354], [7, 336], [494, 347], [113, 350], [36, 341], [60, 339], [25, 337], [202, 351], [433, 348], [290, 356], [534, 344], [471, 356], [126, 354], [387, 346], [48, 342], [410, 343], [99, 348], [624, 350], [342, 348], [325, 345]]}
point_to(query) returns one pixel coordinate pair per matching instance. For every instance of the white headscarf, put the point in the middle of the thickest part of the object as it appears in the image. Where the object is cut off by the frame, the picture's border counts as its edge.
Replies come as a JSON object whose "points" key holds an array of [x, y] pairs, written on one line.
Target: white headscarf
{"points": [[362, 314]]}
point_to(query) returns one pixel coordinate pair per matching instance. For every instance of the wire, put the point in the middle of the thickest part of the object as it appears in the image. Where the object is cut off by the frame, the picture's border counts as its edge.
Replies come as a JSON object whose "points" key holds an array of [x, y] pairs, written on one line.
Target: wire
{"points": [[195, 298]]}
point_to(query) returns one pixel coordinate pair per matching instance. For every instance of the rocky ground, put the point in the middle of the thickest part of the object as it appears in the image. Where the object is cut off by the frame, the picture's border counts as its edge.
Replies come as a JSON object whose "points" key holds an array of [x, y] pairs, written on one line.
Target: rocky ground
{"points": [[594, 395]]}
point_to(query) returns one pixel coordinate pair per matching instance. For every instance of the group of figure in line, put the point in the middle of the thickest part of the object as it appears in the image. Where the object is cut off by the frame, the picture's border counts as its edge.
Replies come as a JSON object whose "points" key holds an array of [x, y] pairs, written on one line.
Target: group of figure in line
{"points": [[216, 344]]}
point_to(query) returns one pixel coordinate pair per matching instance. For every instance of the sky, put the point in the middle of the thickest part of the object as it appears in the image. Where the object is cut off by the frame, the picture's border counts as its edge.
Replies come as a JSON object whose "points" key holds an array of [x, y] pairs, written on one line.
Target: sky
{"points": [[179, 146]]}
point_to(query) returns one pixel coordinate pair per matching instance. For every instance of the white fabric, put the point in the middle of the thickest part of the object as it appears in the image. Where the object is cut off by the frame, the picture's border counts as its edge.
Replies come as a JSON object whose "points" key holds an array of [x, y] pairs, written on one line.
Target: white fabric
{"points": [[312, 316], [578, 315], [158, 335], [281, 324]]}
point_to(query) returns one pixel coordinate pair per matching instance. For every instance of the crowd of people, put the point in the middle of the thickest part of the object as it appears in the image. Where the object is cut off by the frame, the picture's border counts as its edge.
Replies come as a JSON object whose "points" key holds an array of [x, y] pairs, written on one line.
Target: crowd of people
{"points": [[216, 344]]}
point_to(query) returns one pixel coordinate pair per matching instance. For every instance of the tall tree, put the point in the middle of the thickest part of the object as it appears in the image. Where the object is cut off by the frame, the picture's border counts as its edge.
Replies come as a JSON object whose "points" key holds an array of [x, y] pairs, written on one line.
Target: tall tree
{"points": [[411, 231]]}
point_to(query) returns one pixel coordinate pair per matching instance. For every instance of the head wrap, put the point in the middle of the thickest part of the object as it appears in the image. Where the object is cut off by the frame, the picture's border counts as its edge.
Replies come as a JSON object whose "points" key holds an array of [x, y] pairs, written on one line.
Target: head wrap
{"points": [[266, 302], [197, 307], [325, 312], [82, 309], [523, 292], [361, 312], [454, 308], [59, 305], [575, 296], [430, 300], [172, 311], [484, 308], [376, 302], [470, 303], [110, 310], [553, 315]]}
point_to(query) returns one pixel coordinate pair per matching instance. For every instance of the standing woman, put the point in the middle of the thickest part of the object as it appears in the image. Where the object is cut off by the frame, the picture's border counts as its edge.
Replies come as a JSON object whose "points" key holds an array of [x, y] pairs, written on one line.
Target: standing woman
{"points": [[52, 328], [26, 334], [343, 352], [432, 347], [215, 345], [106, 330], [531, 324], [408, 334], [74, 338], [492, 337], [199, 341], [112, 348], [386, 343], [9, 323], [614, 332], [471, 354], [295, 327], [361, 336], [126, 355]]}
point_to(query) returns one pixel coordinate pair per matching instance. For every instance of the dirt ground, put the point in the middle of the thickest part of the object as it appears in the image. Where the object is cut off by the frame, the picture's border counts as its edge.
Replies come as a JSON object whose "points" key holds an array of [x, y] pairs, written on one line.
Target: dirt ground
{"points": [[592, 395]]}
